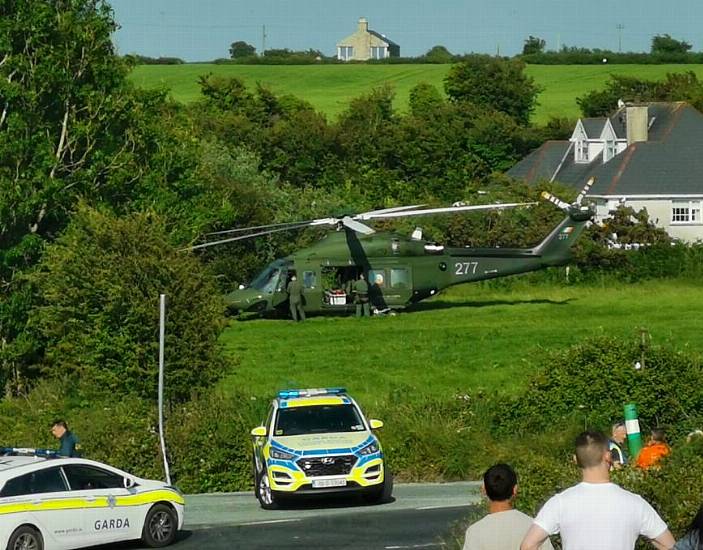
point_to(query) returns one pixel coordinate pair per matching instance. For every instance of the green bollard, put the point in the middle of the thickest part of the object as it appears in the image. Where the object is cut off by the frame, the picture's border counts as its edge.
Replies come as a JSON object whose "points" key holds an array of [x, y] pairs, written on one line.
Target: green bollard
{"points": [[632, 425]]}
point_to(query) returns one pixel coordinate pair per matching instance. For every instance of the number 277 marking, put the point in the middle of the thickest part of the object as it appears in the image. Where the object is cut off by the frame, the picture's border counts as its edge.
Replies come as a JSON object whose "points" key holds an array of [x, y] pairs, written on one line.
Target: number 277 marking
{"points": [[465, 268]]}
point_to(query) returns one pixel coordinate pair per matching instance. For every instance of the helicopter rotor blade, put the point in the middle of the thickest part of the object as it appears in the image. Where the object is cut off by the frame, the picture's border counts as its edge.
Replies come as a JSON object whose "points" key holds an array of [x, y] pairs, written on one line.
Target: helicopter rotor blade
{"points": [[447, 209], [386, 210], [546, 195], [585, 189], [253, 227], [249, 236], [357, 226]]}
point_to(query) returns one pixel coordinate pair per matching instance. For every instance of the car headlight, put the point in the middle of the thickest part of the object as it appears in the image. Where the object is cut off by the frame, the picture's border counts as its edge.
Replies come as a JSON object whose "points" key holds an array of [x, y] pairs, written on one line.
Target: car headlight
{"points": [[369, 449], [281, 455]]}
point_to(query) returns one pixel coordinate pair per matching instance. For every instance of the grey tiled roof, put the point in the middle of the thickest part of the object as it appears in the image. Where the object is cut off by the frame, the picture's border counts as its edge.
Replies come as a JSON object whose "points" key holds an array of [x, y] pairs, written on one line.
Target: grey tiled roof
{"points": [[384, 38], [593, 126], [670, 162]]}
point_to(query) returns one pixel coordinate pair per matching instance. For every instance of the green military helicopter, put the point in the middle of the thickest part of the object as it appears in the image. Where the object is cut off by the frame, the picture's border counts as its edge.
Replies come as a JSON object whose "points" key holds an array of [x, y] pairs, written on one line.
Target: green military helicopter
{"points": [[400, 270]]}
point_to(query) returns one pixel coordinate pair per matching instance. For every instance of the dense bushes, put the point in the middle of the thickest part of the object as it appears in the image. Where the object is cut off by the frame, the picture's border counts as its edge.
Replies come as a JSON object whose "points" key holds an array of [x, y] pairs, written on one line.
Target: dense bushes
{"points": [[100, 284], [588, 384]]}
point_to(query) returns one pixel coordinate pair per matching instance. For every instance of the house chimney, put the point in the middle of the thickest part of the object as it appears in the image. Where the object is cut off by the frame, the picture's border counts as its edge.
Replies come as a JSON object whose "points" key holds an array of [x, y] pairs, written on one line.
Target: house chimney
{"points": [[637, 123], [363, 24]]}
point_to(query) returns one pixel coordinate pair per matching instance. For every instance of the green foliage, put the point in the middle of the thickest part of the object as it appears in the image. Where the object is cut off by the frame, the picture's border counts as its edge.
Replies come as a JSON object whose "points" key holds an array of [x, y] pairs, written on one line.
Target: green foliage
{"points": [[665, 44], [241, 49], [438, 54], [591, 382], [100, 284], [209, 442], [532, 45], [675, 87], [494, 83]]}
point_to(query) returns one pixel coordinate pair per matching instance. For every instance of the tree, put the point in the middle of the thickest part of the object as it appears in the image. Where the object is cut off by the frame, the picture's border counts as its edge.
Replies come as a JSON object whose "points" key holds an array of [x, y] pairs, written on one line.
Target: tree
{"points": [[666, 45], [100, 284], [439, 54], [241, 49], [499, 84], [675, 87], [533, 45]]}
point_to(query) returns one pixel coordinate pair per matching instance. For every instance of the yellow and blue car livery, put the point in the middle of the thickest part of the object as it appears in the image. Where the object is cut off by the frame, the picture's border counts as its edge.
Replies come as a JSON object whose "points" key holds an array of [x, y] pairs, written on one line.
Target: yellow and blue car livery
{"points": [[63, 503], [317, 441]]}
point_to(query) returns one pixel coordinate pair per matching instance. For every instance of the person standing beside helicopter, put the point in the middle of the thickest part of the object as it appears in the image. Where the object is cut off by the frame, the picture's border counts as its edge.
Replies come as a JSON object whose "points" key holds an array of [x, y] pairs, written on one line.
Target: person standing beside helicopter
{"points": [[361, 298], [295, 298]]}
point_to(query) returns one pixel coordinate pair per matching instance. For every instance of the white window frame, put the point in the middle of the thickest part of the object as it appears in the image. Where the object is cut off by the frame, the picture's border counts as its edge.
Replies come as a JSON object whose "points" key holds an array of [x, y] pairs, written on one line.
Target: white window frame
{"points": [[686, 212], [377, 52], [582, 151], [611, 149], [345, 53]]}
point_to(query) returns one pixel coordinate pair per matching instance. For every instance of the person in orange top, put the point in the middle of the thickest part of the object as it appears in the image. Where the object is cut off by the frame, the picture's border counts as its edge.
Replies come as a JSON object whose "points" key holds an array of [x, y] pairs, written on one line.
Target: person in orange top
{"points": [[654, 451]]}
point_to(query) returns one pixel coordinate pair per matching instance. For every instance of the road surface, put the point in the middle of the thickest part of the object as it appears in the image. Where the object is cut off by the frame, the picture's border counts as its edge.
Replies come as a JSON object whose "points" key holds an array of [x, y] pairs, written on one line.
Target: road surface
{"points": [[418, 517]]}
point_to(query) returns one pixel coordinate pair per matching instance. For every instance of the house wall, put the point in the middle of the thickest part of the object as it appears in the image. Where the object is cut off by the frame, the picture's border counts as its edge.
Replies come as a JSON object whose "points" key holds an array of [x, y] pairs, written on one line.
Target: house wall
{"points": [[362, 42], [659, 211]]}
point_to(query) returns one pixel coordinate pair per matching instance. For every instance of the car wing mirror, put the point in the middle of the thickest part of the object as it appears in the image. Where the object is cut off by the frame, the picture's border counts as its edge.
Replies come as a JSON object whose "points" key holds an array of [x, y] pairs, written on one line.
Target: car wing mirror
{"points": [[129, 483], [375, 424], [259, 431]]}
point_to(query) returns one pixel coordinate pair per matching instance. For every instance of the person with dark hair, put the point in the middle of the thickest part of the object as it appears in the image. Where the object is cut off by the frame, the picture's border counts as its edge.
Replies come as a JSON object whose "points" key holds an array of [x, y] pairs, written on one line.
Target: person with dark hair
{"points": [[503, 528], [68, 442], [693, 539], [654, 451], [616, 444], [597, 513]]}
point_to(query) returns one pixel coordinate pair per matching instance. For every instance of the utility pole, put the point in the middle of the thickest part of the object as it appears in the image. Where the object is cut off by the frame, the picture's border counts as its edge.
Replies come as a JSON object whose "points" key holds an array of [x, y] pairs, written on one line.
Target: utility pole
{"points": [[620, 28], [263, 40], [558, 42]]}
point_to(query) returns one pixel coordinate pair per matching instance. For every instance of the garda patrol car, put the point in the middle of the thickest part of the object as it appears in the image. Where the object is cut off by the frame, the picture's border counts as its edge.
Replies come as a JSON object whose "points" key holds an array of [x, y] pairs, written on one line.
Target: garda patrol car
{"points": [[318, 441], [60, 503]]}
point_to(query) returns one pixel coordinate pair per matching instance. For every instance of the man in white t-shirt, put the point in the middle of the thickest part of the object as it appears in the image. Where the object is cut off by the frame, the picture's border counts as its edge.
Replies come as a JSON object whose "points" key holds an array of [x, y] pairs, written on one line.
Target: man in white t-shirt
{"points": [[597, 514], [503, 528]]}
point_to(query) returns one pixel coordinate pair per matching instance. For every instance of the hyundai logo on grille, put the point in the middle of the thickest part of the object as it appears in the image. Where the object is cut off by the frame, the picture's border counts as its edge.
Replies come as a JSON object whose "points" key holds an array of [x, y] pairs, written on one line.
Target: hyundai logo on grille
{"points": [[327, 461]]}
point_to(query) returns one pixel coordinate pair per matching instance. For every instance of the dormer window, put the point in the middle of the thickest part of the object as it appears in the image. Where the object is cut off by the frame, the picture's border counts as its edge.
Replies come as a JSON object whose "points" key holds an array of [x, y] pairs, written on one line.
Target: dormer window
{"points": [[611, 150], [582, 151]]}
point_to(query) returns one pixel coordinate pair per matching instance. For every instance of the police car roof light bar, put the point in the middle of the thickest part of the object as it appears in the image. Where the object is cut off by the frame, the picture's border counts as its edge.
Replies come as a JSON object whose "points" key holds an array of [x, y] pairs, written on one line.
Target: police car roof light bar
{"points": [[310, 392], [22, 451]]}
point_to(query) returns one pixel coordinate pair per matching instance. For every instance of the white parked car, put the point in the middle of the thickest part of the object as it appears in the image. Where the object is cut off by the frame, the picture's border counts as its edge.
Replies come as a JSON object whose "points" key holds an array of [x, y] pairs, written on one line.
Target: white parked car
{"points": [[64, 503]]}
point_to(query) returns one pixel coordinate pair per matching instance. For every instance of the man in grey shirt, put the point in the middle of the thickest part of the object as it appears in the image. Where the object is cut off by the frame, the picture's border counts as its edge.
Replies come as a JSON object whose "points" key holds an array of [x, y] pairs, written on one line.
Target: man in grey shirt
{"points": [[504, 527]]}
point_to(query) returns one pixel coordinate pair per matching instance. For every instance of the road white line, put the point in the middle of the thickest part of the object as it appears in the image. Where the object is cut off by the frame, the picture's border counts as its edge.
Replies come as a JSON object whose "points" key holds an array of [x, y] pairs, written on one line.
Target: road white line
{"points": [[428, 545], [271, 521], [443, 506]]}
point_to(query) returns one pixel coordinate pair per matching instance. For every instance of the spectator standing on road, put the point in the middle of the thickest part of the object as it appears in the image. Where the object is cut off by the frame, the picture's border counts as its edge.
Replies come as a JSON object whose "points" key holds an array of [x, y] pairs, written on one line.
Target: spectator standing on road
{"points": [[693, 539], [504, 527], [654, 451], [295, 298], [597, 514], [68, 442], [617, 446]]}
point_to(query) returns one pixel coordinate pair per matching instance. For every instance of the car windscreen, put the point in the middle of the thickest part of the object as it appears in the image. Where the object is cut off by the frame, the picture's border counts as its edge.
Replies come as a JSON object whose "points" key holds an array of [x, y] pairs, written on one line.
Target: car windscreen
{"points": [[318, 419]]}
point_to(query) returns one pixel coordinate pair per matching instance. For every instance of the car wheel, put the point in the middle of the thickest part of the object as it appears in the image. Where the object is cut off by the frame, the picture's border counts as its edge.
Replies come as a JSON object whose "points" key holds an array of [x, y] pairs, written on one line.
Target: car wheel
{"points": [[383, 493], [26, 537], [264, 493], [160, 526]]}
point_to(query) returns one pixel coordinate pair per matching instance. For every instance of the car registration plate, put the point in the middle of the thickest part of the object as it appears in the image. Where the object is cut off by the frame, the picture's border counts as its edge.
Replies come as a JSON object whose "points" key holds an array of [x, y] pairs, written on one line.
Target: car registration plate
{"points": [[320, 483]]}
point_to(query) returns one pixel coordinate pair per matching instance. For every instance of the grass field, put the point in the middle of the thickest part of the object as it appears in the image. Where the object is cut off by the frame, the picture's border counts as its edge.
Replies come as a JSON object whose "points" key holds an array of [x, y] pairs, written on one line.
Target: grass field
{"points": [[469, 338], [330, 87]]}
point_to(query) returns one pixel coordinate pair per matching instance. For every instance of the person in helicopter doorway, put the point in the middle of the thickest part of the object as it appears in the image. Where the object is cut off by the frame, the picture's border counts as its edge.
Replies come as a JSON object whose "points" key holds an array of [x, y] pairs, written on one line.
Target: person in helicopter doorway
{"points": [[295, 298], [361, 297]]}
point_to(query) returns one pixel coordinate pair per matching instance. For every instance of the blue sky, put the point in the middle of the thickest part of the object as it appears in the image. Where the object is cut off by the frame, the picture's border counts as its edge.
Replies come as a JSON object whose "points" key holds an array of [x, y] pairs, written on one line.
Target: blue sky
{"points": [[199, 30]]}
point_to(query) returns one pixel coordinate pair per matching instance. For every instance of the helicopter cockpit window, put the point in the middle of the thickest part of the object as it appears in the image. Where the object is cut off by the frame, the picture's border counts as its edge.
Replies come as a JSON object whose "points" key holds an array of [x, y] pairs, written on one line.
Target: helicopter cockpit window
{"points": [[267, 280], [400, 277]]}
